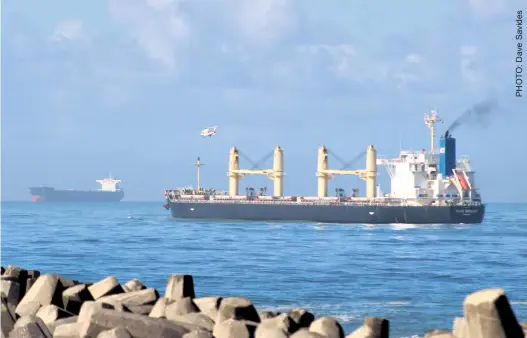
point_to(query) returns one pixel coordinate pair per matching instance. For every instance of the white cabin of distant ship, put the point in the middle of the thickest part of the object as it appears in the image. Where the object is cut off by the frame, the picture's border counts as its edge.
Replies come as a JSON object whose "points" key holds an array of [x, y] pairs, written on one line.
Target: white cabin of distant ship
{"points": [[110, 184]]}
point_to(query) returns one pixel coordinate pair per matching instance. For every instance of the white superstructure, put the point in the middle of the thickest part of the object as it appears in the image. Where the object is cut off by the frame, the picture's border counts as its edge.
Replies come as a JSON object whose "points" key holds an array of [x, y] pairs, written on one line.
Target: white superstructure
{"points": [[425, 175], [109, 184]]}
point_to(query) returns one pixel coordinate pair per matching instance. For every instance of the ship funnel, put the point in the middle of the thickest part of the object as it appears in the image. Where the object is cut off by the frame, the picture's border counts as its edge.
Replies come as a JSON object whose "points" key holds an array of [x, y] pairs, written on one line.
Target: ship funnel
{"points": [[447, 154]]}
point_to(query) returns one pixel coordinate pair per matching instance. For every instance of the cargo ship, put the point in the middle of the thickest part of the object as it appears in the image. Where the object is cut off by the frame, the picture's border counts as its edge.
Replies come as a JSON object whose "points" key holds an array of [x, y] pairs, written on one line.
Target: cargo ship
{"points": [[426, 188], [110, 192]]}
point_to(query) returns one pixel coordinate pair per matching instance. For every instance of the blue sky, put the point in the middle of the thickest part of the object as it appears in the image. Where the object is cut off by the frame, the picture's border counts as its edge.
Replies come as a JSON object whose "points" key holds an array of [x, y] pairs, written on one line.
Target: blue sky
{"points": [[90, 87]]}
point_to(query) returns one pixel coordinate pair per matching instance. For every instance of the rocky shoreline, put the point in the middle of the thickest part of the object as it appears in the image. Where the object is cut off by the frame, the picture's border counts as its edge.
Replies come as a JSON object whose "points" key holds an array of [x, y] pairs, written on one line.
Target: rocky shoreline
{"points": [[48, 305]]}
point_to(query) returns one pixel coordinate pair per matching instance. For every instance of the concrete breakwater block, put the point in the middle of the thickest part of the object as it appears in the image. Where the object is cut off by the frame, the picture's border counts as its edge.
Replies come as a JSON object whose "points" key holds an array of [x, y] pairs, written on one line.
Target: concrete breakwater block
{"points": [[50, 306], [488, 314]]}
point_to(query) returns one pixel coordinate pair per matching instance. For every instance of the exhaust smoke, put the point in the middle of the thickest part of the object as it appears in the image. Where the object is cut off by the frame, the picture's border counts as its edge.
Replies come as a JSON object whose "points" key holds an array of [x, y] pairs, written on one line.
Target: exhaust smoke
{"points": [[475, 114]]}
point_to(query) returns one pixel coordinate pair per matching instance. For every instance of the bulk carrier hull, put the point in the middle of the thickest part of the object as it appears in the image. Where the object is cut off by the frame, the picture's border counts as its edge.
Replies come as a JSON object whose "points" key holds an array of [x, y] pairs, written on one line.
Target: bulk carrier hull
{"points": [[329, 213], [46, 194]]}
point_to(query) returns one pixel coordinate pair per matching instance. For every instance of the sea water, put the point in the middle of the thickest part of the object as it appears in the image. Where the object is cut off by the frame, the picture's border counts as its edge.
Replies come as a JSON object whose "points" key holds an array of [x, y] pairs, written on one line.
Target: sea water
{"points": [[415, 275]]}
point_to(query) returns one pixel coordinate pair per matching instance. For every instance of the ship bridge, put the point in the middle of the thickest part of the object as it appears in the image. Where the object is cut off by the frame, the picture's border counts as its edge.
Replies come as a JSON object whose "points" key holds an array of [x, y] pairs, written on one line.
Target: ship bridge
{"points": [[430, 175], [109, 184]]}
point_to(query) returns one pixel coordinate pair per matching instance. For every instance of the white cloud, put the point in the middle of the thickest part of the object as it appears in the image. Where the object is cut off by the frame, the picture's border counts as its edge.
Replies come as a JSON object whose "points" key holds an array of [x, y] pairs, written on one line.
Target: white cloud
{"points": [[413, 58], [468, 50], [487, 8], [68, 30], [263, 21], [346, 62], [410, 71], [340, 50], [158, 26], [341, 57]]}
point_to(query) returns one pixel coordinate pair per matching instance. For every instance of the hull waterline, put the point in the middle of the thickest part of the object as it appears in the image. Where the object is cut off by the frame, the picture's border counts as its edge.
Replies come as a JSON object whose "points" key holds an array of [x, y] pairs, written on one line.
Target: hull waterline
{"points": [[330, 213]]}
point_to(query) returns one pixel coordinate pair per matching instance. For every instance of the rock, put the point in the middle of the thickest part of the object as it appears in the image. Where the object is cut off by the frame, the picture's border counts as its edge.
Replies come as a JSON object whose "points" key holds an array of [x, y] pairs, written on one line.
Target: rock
{"points": [[305, 333], [181, 307], [67, 283], [46, 290], [29, 284], [118, 332], [106, 309], [33, 274], [301, 317], [328, 327], [115, 305], [106, 287], [133, 298], [3, 270], [101, 305], [208, 305], [19, 275], [95, 319], [267, 314], [488, 314], [10, 289], [179, 286], [141, 309], [277, 327], [269, 332], [51, 313], [198, 334], [53, 326], [8, 318], [373, 327], [15, 272], [231, 328], [282, 322], [459, 328], [73, 297], [69, 330], [159, 309], [238, 308], [439, 334], [133, 285], [31, 330], [196, 318], [30, 326]]}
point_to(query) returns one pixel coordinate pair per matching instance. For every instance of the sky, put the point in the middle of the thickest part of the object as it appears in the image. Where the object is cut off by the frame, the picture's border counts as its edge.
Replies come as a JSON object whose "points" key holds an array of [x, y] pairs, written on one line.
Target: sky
{"points": [[125, 87]]}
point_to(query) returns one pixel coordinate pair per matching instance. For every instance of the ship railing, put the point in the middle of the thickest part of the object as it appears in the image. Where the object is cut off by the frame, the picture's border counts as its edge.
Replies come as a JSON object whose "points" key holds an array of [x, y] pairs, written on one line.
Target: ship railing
{"points": [[378, 202], [306, 203]]}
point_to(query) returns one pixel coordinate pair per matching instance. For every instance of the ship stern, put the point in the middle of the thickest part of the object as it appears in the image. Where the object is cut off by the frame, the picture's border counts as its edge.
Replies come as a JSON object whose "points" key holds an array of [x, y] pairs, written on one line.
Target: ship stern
{"points": [[470, 214]]}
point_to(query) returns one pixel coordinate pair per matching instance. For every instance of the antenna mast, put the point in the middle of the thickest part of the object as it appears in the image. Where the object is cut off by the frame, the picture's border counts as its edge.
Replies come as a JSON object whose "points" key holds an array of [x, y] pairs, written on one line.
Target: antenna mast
{"points": [[198, 164], [430, 121]]}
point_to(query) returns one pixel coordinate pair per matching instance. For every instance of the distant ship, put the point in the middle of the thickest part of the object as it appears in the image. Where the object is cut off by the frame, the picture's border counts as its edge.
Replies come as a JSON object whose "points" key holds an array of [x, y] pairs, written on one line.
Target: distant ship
{"points": [[426, 188], [110, 192]]}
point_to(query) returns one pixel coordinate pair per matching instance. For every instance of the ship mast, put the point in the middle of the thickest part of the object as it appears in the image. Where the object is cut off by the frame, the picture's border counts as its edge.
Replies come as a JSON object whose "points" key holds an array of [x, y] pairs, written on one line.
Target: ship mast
{"points": [[198, 164], [430, 121]]}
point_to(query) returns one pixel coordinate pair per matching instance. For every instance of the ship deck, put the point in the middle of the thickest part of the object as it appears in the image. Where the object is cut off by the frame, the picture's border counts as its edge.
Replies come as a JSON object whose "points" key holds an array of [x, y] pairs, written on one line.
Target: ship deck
{"points": [[404, 203]]}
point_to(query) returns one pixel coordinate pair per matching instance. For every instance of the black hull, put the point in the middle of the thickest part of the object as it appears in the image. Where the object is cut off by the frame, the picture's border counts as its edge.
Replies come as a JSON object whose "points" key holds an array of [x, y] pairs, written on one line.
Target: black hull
{"points": [[329, 213], [46, 194]]}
